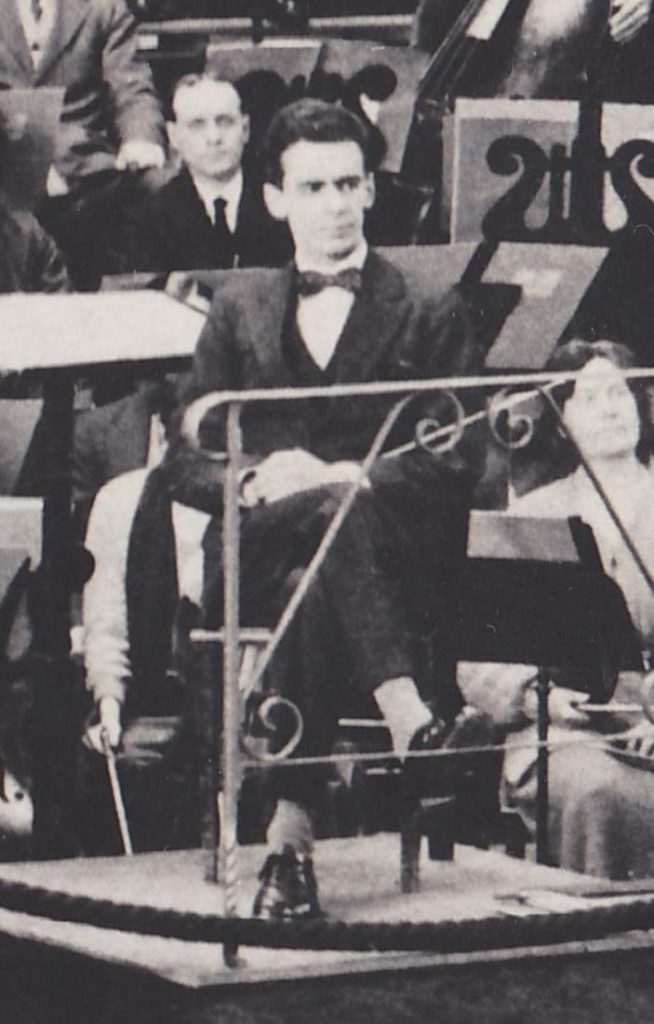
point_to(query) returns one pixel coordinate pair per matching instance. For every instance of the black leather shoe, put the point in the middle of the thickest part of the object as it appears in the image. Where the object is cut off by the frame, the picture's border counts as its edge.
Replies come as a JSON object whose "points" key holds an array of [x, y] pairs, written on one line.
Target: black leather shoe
{"points": [[441, 776], [423, 775], [287, 888]]}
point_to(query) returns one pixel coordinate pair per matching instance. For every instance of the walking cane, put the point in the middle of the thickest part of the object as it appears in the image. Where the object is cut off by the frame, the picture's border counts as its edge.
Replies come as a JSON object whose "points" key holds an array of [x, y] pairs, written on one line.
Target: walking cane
{"points": [[117, 794]]}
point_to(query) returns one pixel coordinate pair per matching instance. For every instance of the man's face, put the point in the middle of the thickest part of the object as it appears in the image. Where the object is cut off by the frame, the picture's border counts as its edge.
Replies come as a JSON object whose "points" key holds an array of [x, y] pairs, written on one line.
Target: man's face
{"points": [[210, 131], [324, 195]]}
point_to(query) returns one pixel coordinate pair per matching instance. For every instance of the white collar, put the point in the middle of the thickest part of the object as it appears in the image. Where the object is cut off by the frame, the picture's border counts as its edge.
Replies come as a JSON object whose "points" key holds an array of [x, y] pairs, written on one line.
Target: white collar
{"points": [[355, 259], [209, 191]]}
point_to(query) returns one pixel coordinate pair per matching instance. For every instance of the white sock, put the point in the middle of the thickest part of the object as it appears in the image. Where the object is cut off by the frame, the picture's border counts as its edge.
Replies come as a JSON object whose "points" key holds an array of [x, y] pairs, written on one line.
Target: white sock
{"points": [[290, 826], [403, 709]]}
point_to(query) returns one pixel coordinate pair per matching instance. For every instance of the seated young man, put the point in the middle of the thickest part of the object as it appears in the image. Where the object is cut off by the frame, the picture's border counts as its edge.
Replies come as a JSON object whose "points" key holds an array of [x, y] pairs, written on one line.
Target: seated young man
{"points": [[339, 313]]}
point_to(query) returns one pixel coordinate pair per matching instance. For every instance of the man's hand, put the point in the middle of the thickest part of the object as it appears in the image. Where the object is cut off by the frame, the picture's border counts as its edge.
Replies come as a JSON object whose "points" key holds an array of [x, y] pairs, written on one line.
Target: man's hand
{"points": [[109, 724], [285, 473], [288, 472], [565, 706], [139, 155], [640, 739], [55, 184], [627, 18]]}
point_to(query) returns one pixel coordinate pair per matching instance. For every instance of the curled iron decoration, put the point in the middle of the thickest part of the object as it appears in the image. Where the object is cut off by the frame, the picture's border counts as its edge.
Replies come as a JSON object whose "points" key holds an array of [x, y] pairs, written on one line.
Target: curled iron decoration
{"points": [[436, 437], [510, 422], [263, 726]]}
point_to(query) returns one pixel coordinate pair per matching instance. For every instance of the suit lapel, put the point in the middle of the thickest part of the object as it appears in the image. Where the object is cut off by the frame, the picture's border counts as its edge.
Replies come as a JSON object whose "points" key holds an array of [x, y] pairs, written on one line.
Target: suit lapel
{"points": [[375, 317], [266, 313], [70, 15], [189, 228], [12, 36]]}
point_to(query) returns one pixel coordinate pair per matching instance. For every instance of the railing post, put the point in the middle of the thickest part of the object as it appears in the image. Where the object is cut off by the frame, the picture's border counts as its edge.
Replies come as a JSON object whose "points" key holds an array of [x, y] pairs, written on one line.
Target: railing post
{"points": [[542, 769], [231, 761]]}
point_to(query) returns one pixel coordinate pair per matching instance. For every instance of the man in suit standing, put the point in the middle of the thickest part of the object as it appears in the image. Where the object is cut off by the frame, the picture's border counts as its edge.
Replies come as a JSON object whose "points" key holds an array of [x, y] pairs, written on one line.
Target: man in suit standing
{"points": [[111, 120], [339, 314], [212, 213]]}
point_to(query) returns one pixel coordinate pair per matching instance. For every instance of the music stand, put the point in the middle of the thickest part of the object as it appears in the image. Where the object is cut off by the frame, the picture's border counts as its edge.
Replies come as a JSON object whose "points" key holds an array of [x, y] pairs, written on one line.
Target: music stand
{"points": [[534, 592]]}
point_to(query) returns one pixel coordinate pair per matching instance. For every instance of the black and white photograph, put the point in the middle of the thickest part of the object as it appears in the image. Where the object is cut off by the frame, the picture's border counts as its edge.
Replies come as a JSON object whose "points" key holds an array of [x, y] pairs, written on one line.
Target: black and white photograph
{"points": [[326, 476]]}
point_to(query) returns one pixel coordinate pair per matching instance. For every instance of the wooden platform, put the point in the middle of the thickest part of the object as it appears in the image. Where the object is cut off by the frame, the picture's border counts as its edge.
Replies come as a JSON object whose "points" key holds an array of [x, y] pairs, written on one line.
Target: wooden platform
{"points": [[358, 882]]}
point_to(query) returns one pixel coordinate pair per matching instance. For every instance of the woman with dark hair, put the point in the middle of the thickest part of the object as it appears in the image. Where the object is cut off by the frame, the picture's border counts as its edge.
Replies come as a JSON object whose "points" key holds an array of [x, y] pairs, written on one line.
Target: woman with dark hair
{"points": [[601, 801]]}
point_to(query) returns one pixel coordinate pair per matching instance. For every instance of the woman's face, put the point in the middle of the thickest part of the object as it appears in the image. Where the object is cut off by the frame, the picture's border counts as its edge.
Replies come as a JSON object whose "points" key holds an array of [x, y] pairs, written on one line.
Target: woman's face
{"points": [[602, 413]]}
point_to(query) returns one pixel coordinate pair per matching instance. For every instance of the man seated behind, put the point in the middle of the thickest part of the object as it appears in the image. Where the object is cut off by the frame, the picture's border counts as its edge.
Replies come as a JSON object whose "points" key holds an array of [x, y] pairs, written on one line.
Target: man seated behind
{"points": [[129, 610], [29, 258], [211, 214], [128, 616], [340, 313], [111, 120]]}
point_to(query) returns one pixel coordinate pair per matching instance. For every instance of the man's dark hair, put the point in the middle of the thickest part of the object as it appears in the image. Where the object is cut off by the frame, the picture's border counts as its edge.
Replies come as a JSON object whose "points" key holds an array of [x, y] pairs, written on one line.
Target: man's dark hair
{"points": [[310, 120]]}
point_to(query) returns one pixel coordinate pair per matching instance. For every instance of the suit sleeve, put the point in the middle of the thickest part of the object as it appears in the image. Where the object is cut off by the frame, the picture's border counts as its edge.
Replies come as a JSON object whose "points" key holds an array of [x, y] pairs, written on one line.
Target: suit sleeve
{"points": [[193, 477], [136, 110], [46, 269]]}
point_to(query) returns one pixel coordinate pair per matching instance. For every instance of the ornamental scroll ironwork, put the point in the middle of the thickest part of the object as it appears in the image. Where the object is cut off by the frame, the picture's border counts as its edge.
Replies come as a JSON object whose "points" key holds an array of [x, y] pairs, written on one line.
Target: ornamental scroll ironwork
{"points": [[579, 176]]}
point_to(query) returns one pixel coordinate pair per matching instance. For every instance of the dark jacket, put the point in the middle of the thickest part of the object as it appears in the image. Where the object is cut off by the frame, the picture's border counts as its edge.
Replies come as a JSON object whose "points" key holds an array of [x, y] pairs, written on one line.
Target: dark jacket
{"points": [[29, 259], [391, 333], [172, 231], [109, 95]]}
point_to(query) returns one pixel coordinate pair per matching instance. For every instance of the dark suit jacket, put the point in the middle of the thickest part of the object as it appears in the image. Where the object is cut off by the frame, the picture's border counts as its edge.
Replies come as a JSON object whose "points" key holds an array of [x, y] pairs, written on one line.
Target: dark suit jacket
{"points": [[29, 259], [390, 334], [109, 95], [110, 440], [172, 231]]}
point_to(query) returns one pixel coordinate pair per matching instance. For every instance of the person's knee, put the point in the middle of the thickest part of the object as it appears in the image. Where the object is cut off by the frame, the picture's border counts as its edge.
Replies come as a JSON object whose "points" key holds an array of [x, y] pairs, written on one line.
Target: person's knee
{"points": [[586, 781]]}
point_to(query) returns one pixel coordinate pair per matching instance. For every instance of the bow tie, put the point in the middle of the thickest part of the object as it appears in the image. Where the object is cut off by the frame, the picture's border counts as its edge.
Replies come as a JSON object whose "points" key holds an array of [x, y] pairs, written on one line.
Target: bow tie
{"points": [[311, 282]]}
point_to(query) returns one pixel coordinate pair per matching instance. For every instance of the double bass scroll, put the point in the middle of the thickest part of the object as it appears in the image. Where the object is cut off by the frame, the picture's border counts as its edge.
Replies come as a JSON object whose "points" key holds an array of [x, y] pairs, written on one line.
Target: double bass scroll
{"points": [[498, 48]]}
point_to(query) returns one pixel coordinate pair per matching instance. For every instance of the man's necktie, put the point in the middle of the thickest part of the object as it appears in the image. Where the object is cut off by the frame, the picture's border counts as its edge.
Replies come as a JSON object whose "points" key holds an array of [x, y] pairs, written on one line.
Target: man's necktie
{"points": [[223, 238], [310, 282], [37, 10]]}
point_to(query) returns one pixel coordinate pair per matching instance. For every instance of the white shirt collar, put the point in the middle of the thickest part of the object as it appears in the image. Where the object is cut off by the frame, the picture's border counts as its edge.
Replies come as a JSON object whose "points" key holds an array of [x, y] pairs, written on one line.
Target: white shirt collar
{"points": [[37, 33], [355, 259], [231, 191]]}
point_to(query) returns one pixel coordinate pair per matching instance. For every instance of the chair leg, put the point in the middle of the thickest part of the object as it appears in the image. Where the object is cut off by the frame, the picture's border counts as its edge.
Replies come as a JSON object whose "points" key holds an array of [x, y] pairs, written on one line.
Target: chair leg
{"points": [[410, 841], [433, 818], [438, 824]]}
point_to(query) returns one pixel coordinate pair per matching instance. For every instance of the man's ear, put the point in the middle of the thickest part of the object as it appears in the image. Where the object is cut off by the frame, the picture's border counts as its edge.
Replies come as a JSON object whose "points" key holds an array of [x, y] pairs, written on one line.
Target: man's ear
{"points": [[370, 191], [246, 128], [275, 201]]}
